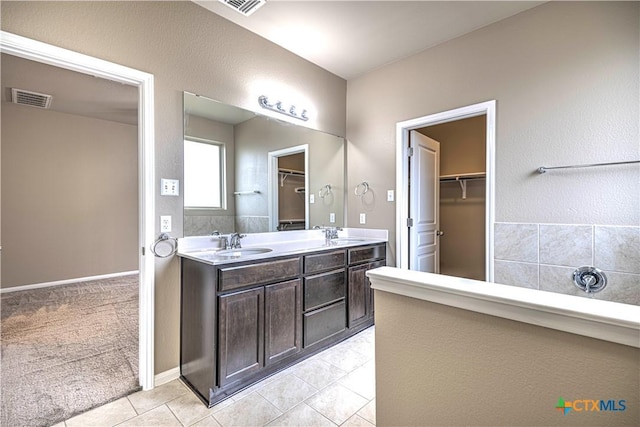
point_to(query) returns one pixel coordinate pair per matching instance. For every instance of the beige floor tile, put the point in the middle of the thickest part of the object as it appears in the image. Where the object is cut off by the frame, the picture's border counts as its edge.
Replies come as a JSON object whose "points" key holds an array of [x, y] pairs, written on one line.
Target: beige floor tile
{"points": [[207, 422], [59, 425], [362, 381], [318, 373], [251, 410], [223, 404], [106, 415], [356, 421], [144, 401], [345, 359], [369, 412], [189, 409], [159, 416], [302, 415], [336, 402], [287, 392]]}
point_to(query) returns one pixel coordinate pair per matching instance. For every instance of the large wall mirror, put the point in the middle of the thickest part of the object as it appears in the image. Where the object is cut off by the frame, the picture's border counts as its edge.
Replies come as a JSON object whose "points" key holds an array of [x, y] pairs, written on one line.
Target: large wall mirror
{"points": [[249, 173]]}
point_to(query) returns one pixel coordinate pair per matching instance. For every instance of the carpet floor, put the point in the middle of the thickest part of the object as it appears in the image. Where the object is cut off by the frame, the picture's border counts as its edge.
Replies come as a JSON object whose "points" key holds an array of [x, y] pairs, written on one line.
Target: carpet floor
{"points": [[67, 349]]}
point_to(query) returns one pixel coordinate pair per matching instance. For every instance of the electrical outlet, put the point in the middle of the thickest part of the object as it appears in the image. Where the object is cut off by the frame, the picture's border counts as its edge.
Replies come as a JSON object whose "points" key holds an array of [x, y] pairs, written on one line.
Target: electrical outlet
{"points": [[363, 218], [169, 187], [165, 224], [332, 218], [312, 198], [389, 195]]}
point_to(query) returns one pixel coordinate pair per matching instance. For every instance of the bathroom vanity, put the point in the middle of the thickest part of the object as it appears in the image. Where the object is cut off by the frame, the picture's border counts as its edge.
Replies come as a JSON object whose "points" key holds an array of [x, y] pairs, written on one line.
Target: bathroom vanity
{"points": [[251, 312]]}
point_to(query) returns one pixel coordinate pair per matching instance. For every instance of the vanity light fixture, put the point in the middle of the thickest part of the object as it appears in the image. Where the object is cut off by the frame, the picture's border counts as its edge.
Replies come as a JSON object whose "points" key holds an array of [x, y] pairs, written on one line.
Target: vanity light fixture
{"points": [[279, 107]]}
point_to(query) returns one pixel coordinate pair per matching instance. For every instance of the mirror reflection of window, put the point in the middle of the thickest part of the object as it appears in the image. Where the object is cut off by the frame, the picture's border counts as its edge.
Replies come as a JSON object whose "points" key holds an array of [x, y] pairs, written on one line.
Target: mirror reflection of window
{"points": [[204, 174]]}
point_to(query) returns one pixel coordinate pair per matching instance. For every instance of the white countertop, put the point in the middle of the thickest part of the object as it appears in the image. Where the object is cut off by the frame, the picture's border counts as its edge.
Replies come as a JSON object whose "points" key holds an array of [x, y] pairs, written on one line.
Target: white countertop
{"points": [[605, 320], [204, 248]]}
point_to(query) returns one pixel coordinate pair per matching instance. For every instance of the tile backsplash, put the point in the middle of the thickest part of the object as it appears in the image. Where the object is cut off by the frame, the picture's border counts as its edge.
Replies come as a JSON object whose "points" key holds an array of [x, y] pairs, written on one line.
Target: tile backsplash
{"points": [[544, 256]]}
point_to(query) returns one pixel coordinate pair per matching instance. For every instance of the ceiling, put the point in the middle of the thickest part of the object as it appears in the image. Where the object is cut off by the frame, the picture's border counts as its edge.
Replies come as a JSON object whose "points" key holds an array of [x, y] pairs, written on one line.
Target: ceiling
{"points": [[350, 38], [73, 92], [345, 38]]}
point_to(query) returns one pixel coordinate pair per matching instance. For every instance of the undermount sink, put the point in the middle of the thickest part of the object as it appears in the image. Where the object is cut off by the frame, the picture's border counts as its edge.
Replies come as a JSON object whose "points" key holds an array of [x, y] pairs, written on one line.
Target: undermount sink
{"points": [[241, 252]]}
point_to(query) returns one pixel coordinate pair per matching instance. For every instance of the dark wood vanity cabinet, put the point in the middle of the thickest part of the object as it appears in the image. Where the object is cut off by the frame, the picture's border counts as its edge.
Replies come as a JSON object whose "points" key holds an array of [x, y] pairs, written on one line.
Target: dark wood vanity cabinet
{"points": [[361, 260], [241, 322]]}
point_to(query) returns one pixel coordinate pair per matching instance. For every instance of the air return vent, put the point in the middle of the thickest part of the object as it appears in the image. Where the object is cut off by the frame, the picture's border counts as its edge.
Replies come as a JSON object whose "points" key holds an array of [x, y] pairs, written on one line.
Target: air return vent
{"points": [[245, 7], [32, 99]]}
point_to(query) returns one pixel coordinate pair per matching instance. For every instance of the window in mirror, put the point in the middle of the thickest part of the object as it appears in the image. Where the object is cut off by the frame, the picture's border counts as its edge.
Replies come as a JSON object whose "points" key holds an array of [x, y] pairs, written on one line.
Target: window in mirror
{"points": [[204, 183]]}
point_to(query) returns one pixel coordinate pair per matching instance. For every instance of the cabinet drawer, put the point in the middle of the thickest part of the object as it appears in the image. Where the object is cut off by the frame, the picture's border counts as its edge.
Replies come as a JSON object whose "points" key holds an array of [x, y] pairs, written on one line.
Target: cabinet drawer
{"points": [[324, 261], [367, 253], [324, 288], [254, 274], [324, 323]]}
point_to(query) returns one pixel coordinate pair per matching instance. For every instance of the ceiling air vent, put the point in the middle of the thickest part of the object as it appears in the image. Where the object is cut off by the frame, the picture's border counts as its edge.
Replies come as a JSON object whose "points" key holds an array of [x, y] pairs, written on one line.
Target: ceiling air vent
{"points": [[32, 99], [245, 7]]}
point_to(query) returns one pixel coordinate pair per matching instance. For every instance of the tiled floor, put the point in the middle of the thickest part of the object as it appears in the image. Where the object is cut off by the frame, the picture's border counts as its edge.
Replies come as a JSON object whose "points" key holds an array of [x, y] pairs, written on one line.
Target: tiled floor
{"points": [[333, 388]]}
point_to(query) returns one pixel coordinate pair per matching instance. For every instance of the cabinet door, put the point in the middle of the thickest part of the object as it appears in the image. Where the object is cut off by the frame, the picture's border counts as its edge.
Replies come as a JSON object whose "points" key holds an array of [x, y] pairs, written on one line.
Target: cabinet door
{"points": [[283, 320], [240, 334], [371, 302], [358, 295]]}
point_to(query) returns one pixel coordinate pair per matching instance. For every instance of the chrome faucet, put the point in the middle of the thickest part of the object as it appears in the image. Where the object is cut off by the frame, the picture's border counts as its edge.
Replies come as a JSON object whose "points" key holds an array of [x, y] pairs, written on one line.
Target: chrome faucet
{"points": [[331, 233], [234, 240]]}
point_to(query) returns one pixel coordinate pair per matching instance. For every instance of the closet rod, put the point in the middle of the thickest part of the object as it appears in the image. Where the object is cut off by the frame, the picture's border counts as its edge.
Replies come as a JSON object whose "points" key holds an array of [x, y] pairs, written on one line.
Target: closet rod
{"points": [[543, 169]]}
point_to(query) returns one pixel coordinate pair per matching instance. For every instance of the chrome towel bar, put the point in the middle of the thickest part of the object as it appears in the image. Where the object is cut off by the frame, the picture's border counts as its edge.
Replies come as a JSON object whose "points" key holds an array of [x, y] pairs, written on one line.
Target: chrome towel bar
{"points": [[543, 169]]}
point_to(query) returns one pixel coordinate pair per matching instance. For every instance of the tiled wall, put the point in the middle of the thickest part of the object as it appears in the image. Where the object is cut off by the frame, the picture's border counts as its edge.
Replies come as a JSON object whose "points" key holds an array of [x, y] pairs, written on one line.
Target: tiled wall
{"points": [[203, 225], [544, 256]]}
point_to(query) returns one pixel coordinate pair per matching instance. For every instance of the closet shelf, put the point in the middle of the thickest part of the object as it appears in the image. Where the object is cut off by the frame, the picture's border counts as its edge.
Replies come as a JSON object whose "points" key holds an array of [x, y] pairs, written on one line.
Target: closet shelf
{"points": [[462, 179], [458, 177]]}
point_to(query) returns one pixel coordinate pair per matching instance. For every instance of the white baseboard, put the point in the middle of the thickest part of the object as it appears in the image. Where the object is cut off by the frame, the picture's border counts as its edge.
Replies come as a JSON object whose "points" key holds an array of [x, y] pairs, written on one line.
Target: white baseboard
{"points": [[167, 376], [67, 281]]}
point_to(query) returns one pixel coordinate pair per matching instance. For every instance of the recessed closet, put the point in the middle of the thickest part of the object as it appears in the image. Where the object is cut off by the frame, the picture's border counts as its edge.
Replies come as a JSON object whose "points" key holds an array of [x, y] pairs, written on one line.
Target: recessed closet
{"points": [[462, 195]]}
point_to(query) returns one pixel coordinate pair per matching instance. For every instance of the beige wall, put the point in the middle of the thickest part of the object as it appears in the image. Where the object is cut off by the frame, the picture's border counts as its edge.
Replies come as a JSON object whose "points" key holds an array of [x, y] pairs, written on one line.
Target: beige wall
{"points": [[185, 48], [566, 79], [462, 150], [437, 366], [70, 196]]}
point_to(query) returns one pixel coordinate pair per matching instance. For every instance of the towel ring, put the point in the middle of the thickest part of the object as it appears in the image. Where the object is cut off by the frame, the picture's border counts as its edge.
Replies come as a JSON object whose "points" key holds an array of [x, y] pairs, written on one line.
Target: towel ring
{"points": [[324, 191], [164, 237], [365, 188]]}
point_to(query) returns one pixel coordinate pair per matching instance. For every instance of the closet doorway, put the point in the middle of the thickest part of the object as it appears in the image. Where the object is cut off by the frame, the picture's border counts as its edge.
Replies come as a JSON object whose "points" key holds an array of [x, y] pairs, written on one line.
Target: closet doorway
{"points": [[288, 200], [445, 182]]}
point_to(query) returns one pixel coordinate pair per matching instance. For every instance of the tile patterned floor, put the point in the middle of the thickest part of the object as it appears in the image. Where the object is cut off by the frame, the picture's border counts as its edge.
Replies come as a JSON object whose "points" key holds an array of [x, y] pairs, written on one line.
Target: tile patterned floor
{"points": [[333, 388]]}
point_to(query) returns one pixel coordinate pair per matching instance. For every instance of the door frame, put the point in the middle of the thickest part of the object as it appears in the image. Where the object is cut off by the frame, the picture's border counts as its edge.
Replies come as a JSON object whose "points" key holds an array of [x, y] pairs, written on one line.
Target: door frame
{"points": [[274, 182], [402, 178], [34, 50]]}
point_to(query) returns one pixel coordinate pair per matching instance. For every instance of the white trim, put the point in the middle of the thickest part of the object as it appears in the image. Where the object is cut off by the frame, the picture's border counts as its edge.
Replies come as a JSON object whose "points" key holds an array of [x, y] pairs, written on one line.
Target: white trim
{"points": [[604, 320], [272, 164], [167, 376], [41, 52], [67, 281], [402, 184]]}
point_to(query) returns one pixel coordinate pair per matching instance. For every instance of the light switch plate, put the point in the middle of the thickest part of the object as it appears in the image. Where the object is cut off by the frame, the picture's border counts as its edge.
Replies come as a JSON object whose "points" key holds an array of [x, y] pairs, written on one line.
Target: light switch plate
{"points": [[169, 187], [363, 218], [389, 195], [312, 198], [332, 218]]}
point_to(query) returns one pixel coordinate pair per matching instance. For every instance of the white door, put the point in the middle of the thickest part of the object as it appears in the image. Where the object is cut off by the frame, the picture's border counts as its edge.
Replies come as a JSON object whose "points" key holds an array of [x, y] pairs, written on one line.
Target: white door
{"points": [[424, 206]]}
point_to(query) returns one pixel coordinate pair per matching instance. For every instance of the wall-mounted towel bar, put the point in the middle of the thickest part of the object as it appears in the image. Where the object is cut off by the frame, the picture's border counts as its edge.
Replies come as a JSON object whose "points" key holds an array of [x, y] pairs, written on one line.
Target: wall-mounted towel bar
{"points": [[246, 193], [543, 169]]}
